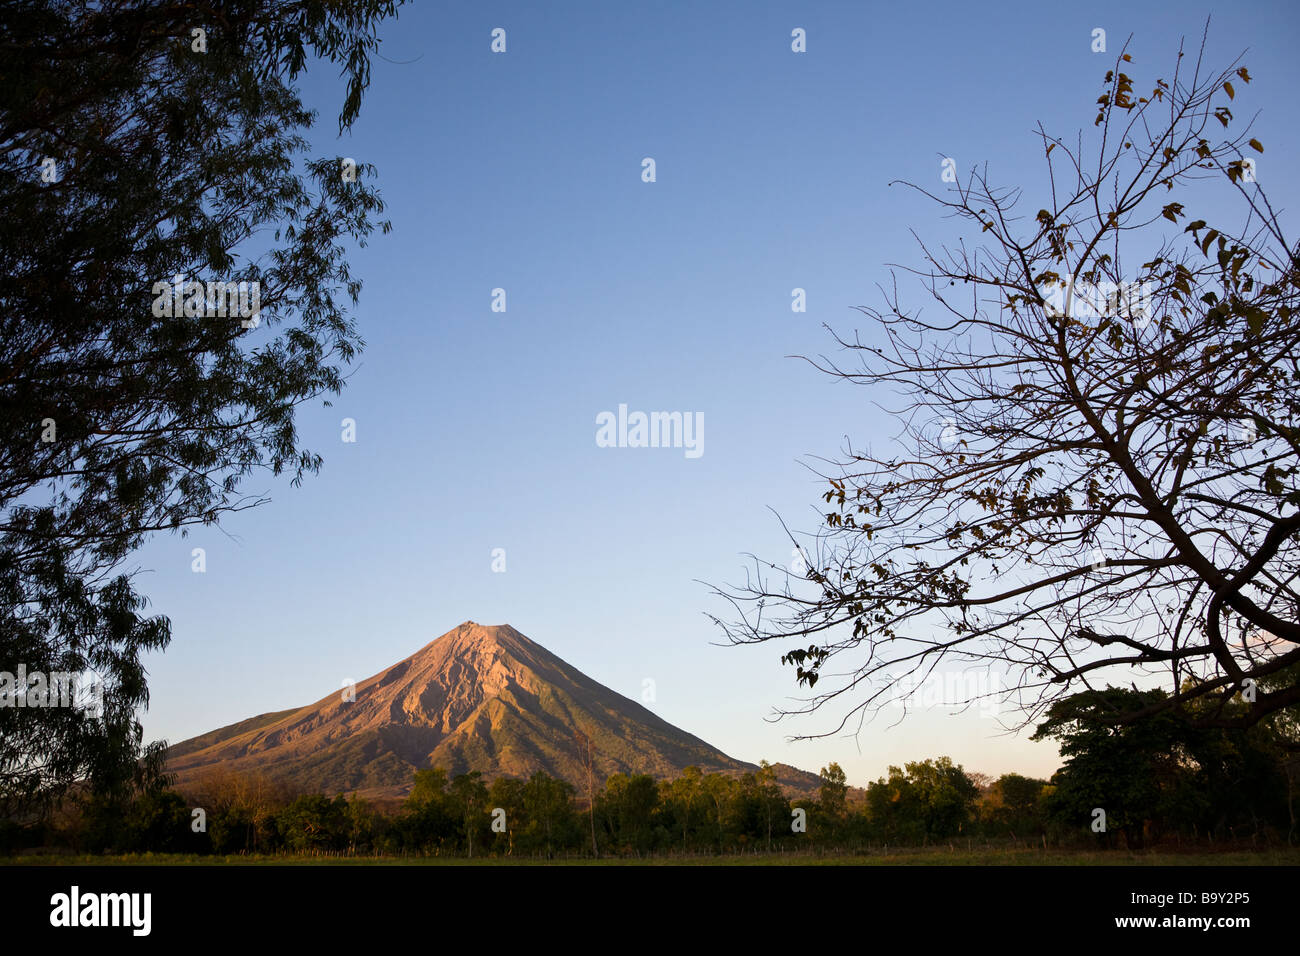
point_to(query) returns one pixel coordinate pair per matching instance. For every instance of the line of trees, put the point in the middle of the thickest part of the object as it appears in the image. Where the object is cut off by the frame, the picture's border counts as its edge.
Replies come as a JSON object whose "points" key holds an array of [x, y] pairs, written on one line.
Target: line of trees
{"points": [[1164, 779]]}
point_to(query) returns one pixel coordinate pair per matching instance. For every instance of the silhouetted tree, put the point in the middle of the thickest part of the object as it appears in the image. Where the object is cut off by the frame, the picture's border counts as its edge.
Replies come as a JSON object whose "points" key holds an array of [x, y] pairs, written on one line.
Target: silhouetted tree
{"points": [[145, 145], [1096, 467]]}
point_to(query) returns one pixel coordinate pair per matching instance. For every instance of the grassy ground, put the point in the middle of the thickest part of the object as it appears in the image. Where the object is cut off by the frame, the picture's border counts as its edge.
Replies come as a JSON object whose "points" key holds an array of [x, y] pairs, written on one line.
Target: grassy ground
{"points": [[934, 856]]}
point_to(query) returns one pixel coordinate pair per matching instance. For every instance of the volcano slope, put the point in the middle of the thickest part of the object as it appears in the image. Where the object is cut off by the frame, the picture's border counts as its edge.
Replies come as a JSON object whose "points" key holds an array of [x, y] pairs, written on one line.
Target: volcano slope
{"points": [[479, 697]]}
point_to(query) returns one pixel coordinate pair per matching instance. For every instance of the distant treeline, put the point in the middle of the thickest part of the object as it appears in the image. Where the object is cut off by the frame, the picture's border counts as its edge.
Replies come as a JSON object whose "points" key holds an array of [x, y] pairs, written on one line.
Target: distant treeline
{"points": [[542, 816], [1131, 785]]}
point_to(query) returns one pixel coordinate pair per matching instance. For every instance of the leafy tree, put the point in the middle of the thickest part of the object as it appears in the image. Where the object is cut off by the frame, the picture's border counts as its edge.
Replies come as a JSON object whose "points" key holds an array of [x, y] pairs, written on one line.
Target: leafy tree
{"points": [[313, 822], [1138, 774], [1017, 802], [894, 809], [685, 803], [468, 797], [1244, 776], [833, 793], [508, 794], [552, 820], [947, 795], [431, 817], [145, 144], [364, 825], [719, 798], [766, 810], [922, 801], [160, 822], [1175, 771], [631, 804], [1087, 485], [1281, 735]]}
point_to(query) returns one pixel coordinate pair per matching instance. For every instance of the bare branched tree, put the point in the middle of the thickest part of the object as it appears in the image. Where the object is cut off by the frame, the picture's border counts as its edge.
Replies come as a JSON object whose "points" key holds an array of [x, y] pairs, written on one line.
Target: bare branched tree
{"points": [[1095, 476]]}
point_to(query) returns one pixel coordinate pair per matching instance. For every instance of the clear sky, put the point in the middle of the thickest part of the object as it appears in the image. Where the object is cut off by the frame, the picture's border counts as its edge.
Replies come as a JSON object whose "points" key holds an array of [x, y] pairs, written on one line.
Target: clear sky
{"points": [[476, 430]]}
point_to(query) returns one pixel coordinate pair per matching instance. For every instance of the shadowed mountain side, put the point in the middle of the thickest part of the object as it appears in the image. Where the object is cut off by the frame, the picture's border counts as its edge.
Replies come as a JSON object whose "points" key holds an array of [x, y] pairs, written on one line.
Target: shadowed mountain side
{"points": [[477, 698]]}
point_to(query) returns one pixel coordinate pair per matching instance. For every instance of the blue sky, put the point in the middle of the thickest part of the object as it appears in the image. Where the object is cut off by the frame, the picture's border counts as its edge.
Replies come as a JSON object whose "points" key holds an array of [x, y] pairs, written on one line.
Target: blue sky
{"points": [[475, 429]]}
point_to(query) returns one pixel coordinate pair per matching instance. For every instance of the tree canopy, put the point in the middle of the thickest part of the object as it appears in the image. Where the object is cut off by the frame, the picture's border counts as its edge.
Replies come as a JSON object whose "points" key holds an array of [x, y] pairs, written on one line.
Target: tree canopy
{"points": [[154, 153]]}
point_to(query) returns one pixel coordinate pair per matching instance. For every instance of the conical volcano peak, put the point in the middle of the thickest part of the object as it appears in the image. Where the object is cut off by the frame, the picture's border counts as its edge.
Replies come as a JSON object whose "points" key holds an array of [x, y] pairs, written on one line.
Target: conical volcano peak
{"points": [[480, 697], [472, 630], [471, 637]]}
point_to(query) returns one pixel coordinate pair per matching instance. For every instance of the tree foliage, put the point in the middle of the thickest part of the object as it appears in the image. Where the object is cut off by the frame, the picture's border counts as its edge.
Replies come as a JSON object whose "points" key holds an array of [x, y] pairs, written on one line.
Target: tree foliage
{"points": [[1169, 772], [136, 153], [1157, 780]]}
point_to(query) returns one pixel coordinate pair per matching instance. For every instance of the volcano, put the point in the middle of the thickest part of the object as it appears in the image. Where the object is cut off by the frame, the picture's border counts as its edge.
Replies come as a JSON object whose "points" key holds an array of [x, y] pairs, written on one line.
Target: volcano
{"points": [[480, 697]]}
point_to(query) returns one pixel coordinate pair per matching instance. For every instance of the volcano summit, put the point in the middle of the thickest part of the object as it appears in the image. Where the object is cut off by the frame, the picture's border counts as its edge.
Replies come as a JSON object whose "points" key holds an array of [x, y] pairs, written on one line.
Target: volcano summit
{"points": [[478, 698]]}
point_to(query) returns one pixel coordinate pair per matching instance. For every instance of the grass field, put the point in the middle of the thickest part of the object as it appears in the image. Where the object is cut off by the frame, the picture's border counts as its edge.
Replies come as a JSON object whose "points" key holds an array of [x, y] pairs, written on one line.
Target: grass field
{"points": [[934, 856]]}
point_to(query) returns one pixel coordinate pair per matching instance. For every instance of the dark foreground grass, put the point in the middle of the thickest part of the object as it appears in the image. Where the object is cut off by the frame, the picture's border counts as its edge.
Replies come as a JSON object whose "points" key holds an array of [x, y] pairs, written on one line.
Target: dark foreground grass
{"points": [[933, 856]]}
